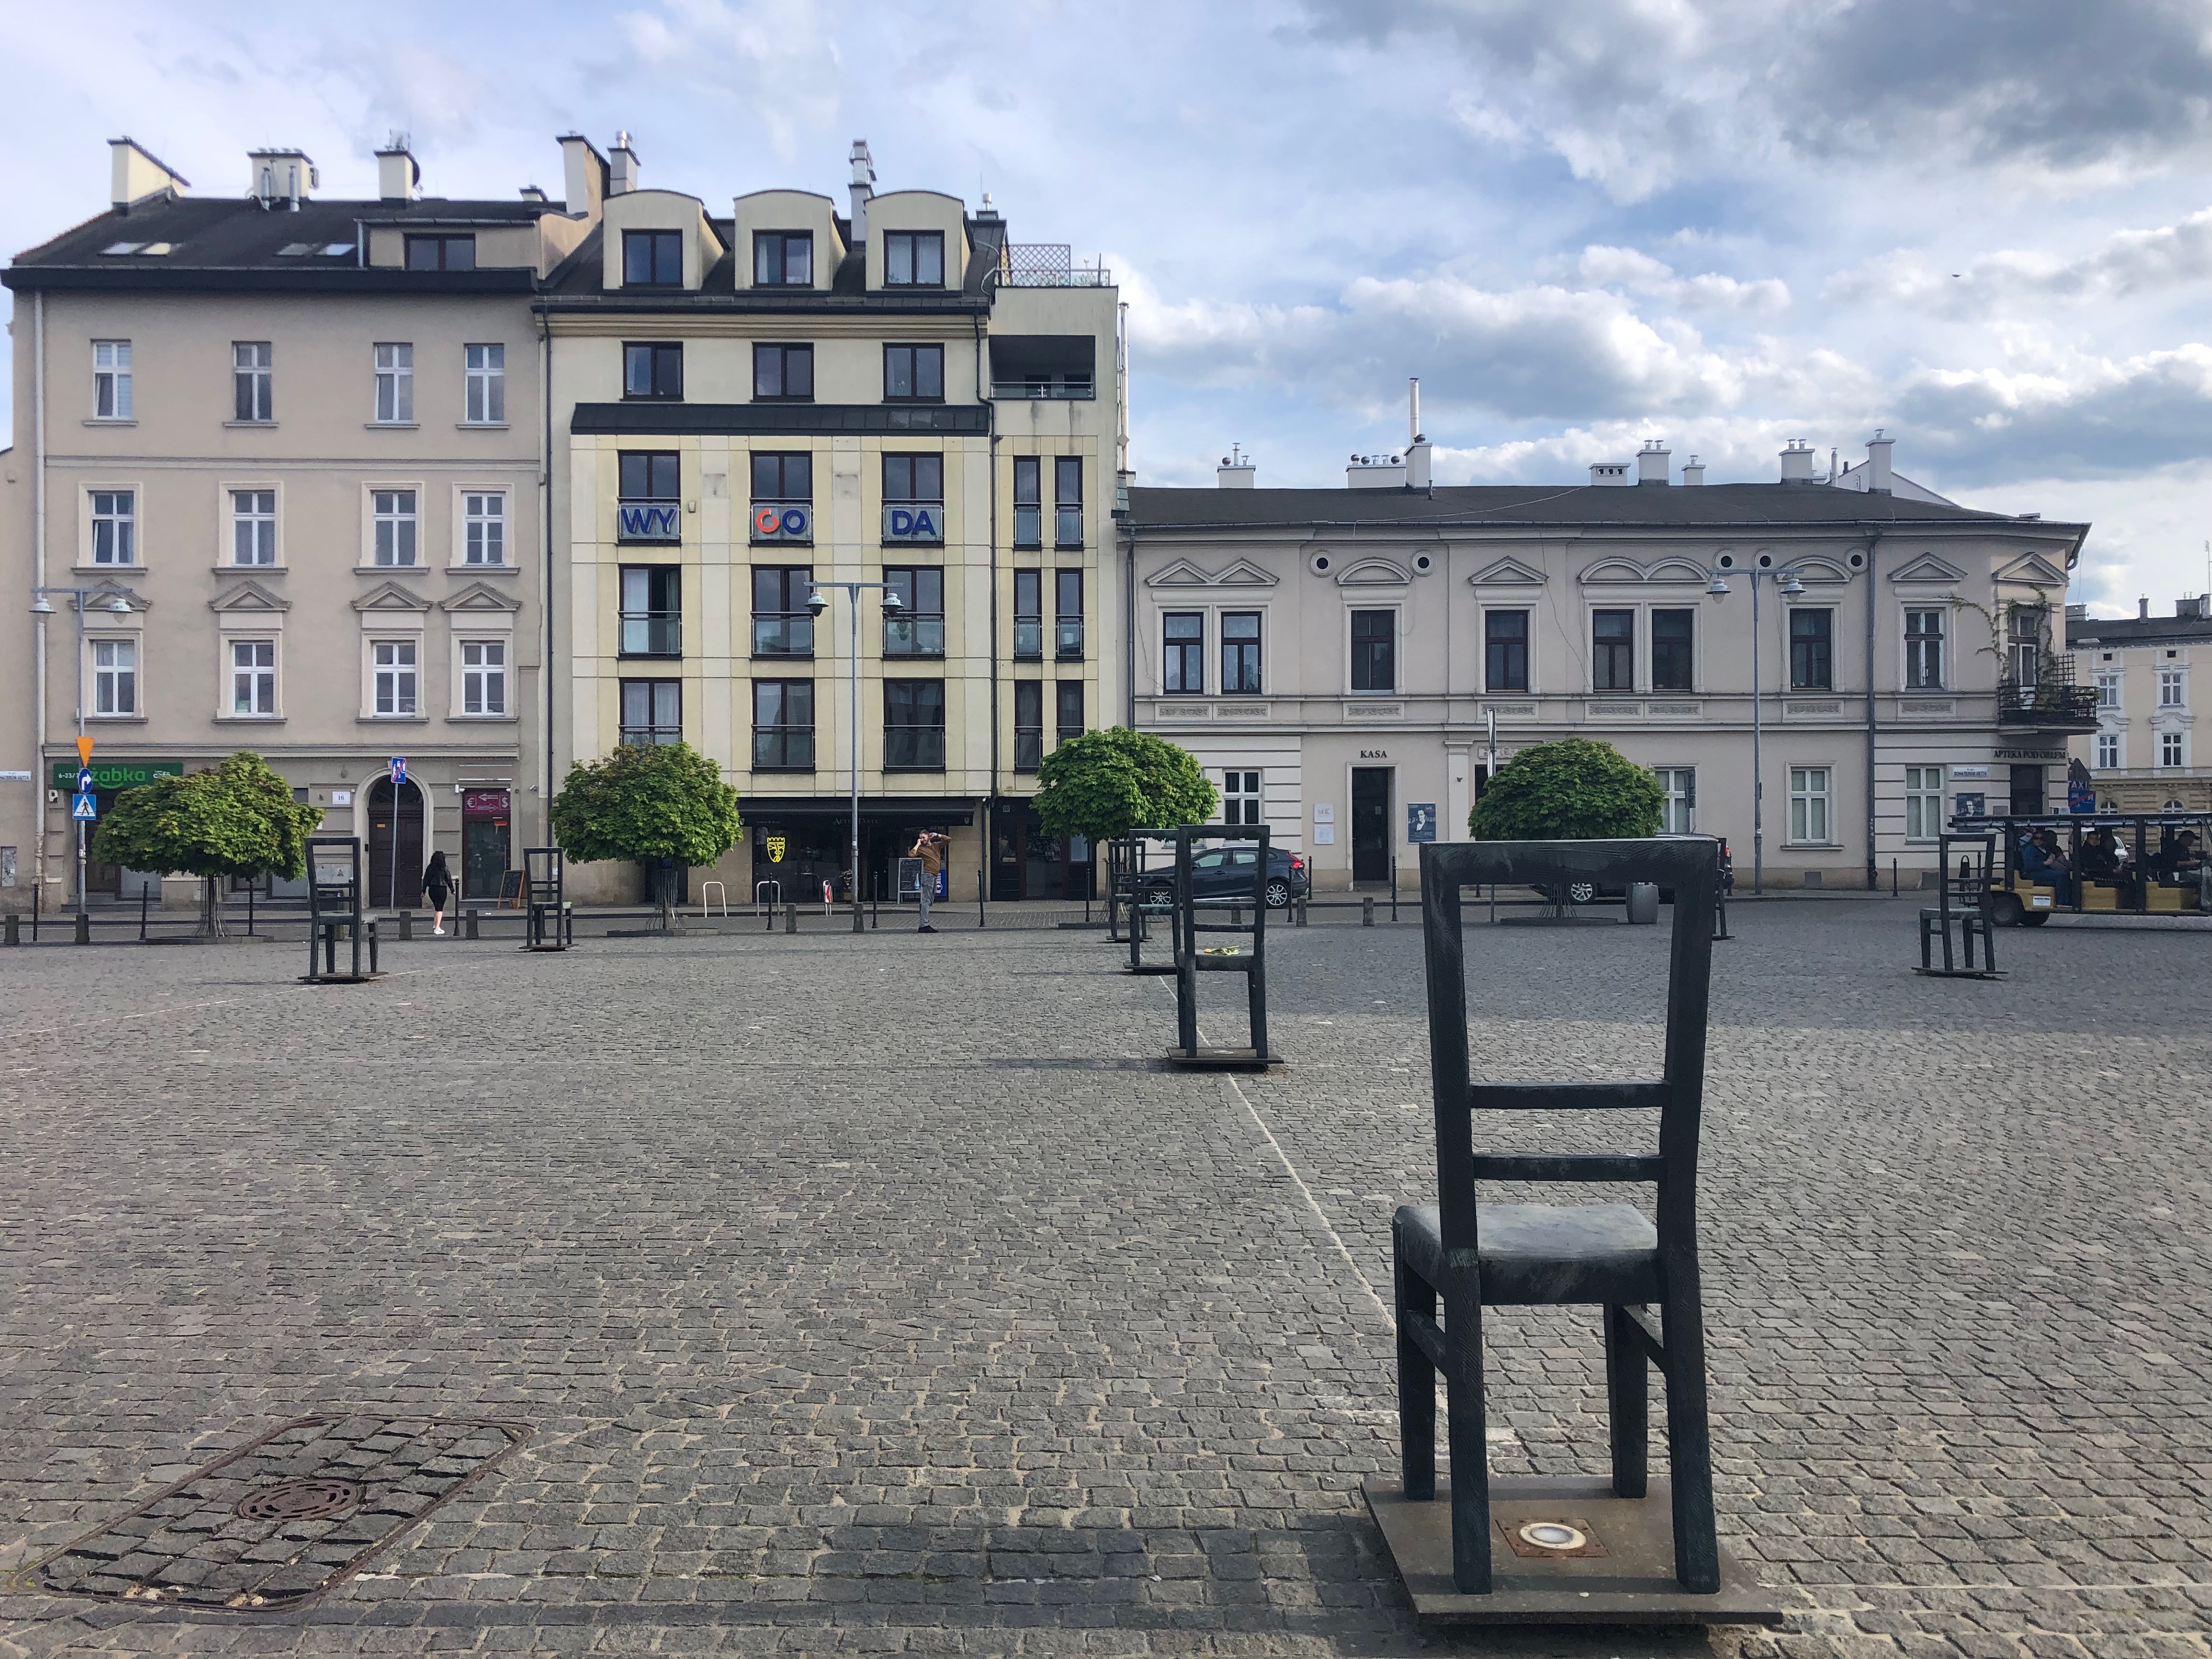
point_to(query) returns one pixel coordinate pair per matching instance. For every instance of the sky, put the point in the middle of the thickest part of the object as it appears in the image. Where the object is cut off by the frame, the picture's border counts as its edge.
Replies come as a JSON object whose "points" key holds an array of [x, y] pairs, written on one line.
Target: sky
{"points": [[1983, 229]]}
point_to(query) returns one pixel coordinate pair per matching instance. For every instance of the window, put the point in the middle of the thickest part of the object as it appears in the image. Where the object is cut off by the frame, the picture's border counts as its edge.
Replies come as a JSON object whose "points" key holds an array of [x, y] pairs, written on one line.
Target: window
{"points": [[393, 667], [652, 711], [1808, 805], [913, 726], [913, 374], [392, 515], [1183, 634], [783, 477], [1028, 616], [2108, 691], [253, 677], [1067, 501], [252, 380], [782, 625], [441, 253], [1812, 666], [2026, 655], [395, 385], [2169, 748], [650, 477], [1029, 724], [1028, 515], [1240, 651], [651, 610], [1240, 797], [1505, 651], [1068, 700], [2169, 688], [918, 629], [111, 379], [115, 677], [483, 370], [1923, 800], [783, 373], [253, 526], [1374, 655], [1673, 634], [1923, 650], [483, 676], [652, 259], [1067, 616], [914, 477], [2108, 751], [1678, 812], [914, 258], [484, 527], [783, 726], [783, 258], [1613, 650], [114, 527], [654, 369]]}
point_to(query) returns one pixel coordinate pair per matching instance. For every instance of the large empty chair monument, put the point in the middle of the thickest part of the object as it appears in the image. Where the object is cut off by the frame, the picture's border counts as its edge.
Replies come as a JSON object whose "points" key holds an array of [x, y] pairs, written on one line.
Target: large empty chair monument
{"points": [[1596, 1551]]}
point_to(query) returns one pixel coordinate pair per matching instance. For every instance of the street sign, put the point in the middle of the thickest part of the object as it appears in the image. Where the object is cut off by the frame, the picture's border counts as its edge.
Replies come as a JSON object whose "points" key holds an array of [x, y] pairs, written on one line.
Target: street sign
{"points": [[399, 769], [84, 750], [84, 785], [87, 808]]}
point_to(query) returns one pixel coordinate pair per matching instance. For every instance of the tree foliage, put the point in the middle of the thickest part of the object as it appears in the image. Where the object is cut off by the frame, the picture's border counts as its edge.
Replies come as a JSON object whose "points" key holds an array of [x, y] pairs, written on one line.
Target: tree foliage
{"points": [[1105, 784], [1572, 790], [238, 820], [647, 802]]}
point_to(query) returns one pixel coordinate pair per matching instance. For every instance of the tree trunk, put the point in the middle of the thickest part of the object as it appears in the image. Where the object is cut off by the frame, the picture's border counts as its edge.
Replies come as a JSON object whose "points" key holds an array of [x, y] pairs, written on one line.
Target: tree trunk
{"points": [[667, 879], [211, 910]]}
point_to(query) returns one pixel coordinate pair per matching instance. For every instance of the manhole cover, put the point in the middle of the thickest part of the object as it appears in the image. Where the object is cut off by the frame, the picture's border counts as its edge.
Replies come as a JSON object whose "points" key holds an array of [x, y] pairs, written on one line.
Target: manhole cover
{"points": [[284, 1517]]}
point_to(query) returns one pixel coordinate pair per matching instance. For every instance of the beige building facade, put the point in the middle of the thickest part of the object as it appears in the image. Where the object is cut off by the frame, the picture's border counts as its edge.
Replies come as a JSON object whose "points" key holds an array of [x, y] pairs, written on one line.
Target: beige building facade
{"points": [[2149, 674]]}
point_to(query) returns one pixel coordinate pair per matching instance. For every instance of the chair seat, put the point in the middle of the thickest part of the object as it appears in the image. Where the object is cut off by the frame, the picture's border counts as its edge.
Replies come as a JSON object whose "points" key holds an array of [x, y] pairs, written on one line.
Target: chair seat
{"points": [[1539, 1254]]}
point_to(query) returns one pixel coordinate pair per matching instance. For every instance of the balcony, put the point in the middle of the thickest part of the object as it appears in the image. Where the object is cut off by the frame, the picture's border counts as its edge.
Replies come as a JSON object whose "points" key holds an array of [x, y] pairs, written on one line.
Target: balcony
{"points": [[1046, 386], [648, 520], [1029, 639], [1049, 264], [1067, 639], [2048, 704], [777, 634], [651, 633], [912, 635]]}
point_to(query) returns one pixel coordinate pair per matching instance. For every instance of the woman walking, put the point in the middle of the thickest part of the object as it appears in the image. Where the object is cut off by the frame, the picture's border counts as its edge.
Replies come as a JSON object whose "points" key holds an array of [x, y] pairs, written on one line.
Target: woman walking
{"points": [[437, 887]]}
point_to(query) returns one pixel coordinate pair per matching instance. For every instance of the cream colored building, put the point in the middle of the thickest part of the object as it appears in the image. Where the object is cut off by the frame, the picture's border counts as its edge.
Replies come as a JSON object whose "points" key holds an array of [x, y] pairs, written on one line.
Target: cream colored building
{"points": [[277, 458], [751, 400], [2149, 674], [1338, 660]]}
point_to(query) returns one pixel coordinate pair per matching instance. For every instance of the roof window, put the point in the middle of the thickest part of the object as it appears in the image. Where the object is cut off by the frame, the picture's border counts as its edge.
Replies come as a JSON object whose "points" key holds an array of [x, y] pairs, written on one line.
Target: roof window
{"points": [[122, 247], [294, 250], [155, 249], [337, 248]]}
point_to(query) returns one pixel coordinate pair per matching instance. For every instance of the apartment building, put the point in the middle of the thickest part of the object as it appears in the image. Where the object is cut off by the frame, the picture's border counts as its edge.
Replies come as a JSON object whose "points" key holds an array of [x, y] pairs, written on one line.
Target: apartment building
{"points": [[277, 486], [1350, 665], [753, 406], [2143, 756]]}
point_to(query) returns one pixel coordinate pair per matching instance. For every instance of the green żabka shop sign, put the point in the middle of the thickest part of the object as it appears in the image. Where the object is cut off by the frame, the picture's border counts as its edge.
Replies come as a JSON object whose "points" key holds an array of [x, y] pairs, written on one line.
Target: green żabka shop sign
{"points": [[117, 774]]}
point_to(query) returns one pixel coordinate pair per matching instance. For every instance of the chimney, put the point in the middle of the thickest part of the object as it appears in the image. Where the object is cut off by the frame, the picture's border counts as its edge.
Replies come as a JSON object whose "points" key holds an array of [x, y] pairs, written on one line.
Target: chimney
{"points": [[532, 193], [864, 187], [2143, 609], [2190, 607], [1416, 452], [2077, 613], [622, 167], [283, 175], [1237, 470], [1653, 463], [1878, 478], [136, 175], [1693, 471], [584, 176], [398, 173], [1797, 462], [1609, 472]]}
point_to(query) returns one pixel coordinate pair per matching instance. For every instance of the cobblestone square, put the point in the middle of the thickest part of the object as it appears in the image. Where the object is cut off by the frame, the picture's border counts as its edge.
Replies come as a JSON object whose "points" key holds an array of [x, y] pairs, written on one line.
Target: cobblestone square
{"points": [[882, 1294]]}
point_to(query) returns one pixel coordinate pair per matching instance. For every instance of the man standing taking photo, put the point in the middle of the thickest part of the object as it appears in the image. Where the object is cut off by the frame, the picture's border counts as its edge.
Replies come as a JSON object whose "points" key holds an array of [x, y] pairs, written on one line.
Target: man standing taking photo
{"points": [[929, 847]]}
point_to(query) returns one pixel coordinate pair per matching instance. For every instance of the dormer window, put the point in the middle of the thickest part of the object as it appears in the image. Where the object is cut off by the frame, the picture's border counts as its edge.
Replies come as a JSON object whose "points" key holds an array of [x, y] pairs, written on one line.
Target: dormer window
{"points": [[652, 259], [914, 258], [783, 258], [441, 253]]}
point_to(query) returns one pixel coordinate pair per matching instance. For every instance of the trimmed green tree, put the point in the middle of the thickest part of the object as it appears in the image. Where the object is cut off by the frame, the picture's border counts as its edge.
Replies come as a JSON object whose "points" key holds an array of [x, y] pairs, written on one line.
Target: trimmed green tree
{"points": [[238, 819], [647, 803], [1571, 790], [1102, 785]]}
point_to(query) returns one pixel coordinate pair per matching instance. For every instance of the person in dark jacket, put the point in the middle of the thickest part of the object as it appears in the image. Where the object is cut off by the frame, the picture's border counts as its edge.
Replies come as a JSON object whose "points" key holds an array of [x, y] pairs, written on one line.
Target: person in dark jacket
{"points": [[437, 887]]}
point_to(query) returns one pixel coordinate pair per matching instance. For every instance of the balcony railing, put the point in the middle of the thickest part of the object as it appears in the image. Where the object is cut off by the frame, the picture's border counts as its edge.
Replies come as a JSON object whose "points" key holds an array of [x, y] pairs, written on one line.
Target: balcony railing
{"points": [[912, 635], [1029, 526], [1049, 264], [914, 748], [1028, 748], [783, 747], [1067, 639], [777, 634], [651, 633], [1046, 386], [1068, 527], [652, 734], [2048, 703], [1029, 639]]}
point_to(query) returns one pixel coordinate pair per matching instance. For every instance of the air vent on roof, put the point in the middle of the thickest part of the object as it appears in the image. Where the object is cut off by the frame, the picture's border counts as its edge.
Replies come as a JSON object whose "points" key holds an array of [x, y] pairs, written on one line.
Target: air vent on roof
{"points": [[122, 247]]}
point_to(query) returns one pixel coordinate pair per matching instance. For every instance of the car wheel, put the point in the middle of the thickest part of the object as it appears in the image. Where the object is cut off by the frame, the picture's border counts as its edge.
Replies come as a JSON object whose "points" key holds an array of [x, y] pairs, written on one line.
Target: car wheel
{"points": [[1581, 892], [1279, 894], [2007, 910]]}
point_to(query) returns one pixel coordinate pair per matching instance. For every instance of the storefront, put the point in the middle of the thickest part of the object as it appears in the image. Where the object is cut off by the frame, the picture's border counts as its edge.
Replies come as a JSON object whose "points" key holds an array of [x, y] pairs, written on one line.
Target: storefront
{"points": [[110, 778], [487, 841], [800, 844], [1027, 863]]}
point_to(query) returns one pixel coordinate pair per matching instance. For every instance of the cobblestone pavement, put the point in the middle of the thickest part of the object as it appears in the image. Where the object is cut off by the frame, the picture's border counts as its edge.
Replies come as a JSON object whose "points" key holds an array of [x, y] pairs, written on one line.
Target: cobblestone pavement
{"points": [[880, 1295]]}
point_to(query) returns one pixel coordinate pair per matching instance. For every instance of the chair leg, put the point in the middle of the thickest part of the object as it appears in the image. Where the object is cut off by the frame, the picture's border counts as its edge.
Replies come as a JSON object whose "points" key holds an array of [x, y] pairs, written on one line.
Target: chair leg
{"points": [[1628, 1403], [1690, 1447], [1465, 1421], [1416, 1390]]}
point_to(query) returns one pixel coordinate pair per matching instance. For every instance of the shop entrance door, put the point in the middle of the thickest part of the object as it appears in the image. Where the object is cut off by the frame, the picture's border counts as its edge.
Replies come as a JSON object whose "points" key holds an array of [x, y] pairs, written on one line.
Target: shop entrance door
{"points": [[382, 895], [1370, 824], [486, 842], [2026, 791]]}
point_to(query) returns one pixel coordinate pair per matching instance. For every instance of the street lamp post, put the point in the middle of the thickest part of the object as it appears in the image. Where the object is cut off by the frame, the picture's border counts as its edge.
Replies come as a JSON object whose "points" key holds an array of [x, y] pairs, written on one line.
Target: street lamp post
{"points": [[818, 602], [1719, 588], [40, 607]]}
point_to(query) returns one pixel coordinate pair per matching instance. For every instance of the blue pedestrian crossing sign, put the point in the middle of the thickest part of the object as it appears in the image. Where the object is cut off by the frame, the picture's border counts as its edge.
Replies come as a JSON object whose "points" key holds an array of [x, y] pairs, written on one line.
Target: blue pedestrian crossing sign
{"points": [[86, 809]]}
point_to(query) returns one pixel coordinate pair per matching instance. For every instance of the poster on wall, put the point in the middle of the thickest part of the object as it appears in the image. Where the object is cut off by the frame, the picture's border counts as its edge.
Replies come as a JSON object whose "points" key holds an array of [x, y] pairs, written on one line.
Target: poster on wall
{"points": [[1420, 822]]}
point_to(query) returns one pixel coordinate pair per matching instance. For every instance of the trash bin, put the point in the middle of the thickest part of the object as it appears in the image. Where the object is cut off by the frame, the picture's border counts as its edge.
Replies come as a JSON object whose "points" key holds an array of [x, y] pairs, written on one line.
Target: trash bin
{"points": [[1643, 904]]}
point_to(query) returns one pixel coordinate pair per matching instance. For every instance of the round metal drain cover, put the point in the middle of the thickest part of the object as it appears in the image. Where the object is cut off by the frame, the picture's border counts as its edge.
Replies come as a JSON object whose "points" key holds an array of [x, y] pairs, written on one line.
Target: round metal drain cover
{"points": [[317, 1499], [1554, 1535]]}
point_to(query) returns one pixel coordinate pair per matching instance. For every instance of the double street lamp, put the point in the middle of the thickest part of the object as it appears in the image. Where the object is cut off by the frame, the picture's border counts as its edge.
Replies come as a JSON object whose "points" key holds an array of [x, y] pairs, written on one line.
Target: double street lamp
{"points": [[818, 602], [42, 606], [1791, 586]]}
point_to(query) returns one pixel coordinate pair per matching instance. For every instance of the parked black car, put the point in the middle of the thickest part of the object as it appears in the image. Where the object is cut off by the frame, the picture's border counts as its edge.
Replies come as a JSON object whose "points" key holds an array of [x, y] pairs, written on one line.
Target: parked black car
{"points": [[1222, 874], [1588, 892]]}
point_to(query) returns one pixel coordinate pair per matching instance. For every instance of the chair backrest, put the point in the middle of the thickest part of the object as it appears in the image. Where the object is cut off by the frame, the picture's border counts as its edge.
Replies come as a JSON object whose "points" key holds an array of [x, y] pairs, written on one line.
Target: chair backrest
{"points": [[1688, 865]]}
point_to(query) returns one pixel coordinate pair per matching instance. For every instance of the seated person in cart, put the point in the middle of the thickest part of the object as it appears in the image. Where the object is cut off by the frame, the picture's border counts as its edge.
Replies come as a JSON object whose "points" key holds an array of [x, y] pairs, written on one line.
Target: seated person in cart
{"points": [[2044, 865], [2100, 856]]}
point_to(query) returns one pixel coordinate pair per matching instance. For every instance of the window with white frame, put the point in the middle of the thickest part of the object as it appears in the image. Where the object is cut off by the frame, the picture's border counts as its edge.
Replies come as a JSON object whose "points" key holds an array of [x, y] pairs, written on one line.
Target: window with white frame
{"points": [[253, 379], [253, 677], [115, 677], [2169, 688], [2108, 691], [484, 527], [1923, 650], [392, 514], [111, 379], [114, 527], [253, 526], [1240, 798], [2108, 751], [483, 676], [1923, 803], [393, 670], [2169, 748], [395, 385], [485, 370], [1678, 812], [1808, 805]]}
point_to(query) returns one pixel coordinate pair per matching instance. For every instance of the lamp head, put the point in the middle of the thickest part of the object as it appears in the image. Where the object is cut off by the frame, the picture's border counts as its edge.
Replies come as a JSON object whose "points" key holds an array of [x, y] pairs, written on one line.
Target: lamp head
{"points": [[119, 605], [1790, 585], [892, 603], [817, 600], [42, 606], [1719, 587]]}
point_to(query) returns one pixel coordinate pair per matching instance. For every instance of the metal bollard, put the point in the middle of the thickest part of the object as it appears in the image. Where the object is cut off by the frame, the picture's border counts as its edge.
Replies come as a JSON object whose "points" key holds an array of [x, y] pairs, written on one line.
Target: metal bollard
{"points": [[791, 917], [1367, 911], [372, 944], [407, 926], [1299, 921], [145, 894], [14, 928], [84, 928], [469, 925]]}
